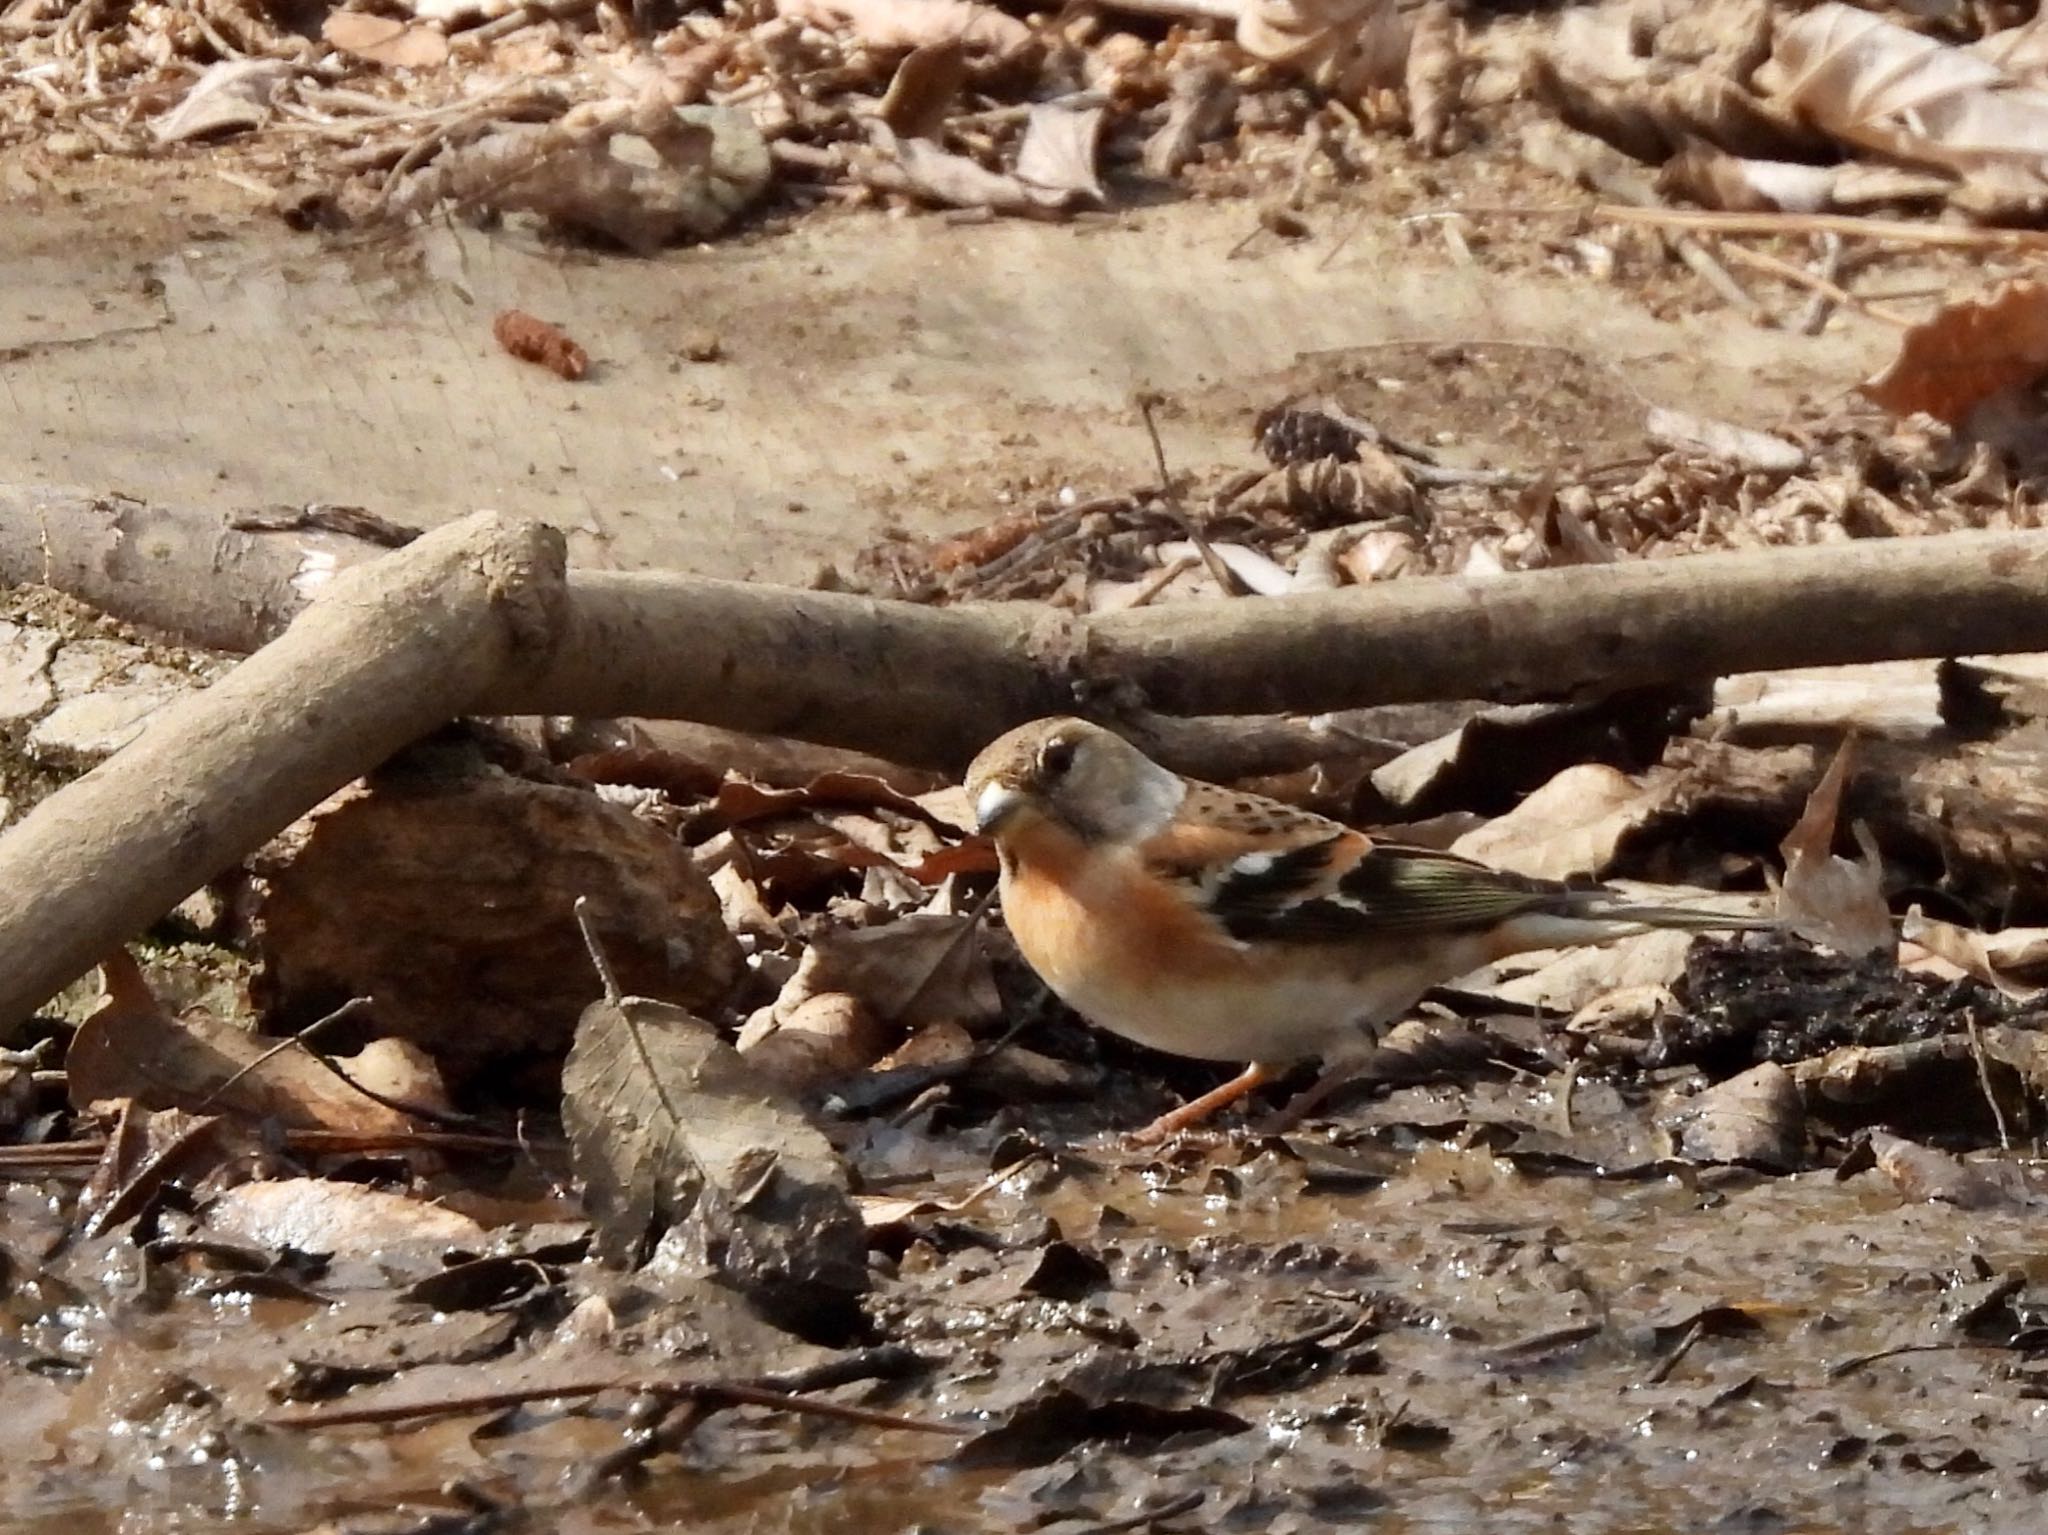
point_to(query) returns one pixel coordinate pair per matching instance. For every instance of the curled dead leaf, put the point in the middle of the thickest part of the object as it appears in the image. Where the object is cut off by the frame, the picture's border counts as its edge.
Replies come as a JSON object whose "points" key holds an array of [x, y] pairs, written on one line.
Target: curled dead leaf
{"points": [[1836, 902], [1967, 353]]}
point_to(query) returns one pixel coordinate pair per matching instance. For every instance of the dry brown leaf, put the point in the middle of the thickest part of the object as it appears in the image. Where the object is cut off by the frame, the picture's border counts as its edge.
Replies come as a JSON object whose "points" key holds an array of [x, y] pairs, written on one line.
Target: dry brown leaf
{"points": [[924, 88], [1756, 1117], [821, 1040], [920, 969], [1572, 825], [913, 23], [1967, 353], [146, 1151], [445, 893], [670, 1127], [386, 40], [1838, 902], [130, 1048], [1872, 82]]}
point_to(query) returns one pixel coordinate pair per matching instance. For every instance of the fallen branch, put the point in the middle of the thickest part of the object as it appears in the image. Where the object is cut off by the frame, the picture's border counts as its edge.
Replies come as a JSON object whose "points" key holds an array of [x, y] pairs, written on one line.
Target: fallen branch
{"points": [[478, 617], [226, 583], [397, 648]]}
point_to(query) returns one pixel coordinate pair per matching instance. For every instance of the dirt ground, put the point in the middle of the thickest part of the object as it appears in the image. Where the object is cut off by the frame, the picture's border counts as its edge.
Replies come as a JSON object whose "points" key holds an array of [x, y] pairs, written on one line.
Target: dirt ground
{"points": [[159, 335]]}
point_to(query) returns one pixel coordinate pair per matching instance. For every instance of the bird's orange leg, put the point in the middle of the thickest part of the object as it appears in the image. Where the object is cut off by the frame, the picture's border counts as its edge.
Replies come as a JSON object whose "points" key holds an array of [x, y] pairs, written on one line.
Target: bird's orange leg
{"points": [[1340, 1075], [1196, 1110]]}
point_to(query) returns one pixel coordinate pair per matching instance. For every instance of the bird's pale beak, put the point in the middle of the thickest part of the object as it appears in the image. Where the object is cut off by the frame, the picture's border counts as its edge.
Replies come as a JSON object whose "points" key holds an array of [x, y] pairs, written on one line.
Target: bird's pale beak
{"points": [[994, 805]]}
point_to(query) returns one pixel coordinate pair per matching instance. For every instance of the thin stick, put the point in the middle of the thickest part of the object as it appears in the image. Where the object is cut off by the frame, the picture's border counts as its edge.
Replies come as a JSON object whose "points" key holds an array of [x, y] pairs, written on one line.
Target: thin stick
{"points": [[1984, 1081], [1763, 261], [715, 1393], [347, 1009], [1898, 230], [1217, 569]]}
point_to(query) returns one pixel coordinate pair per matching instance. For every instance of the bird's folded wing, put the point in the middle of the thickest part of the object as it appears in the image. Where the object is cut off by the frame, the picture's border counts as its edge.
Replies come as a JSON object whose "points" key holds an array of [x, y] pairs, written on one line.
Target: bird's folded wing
{"points": [[1345, 886]]}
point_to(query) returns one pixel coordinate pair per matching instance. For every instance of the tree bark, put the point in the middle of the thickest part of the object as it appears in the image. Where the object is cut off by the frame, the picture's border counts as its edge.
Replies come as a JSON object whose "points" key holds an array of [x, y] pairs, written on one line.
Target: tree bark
{"points": [[225, 582], [395, 649]]}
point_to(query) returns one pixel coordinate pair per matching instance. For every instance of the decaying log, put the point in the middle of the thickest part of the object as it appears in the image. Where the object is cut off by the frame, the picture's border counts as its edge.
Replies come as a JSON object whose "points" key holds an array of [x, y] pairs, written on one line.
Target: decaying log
{"points": [[395, 649], [1976, 815]]}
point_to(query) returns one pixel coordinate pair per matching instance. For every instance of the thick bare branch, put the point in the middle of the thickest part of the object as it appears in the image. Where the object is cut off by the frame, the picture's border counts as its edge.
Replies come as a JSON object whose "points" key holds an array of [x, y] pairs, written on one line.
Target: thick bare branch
{"points": [[395, 649]]}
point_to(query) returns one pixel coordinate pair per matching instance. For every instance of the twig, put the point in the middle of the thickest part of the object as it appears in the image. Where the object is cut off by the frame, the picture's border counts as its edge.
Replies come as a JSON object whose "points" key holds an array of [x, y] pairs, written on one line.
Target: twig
{"points": [[1899, 230], [1984, 1081], [1707, 266], [1692, 1334], [1813, 319], [1763, 261], [1851, 1366], [1218, 571], [710, 1393], [1187, 1503], [347, 1009]]}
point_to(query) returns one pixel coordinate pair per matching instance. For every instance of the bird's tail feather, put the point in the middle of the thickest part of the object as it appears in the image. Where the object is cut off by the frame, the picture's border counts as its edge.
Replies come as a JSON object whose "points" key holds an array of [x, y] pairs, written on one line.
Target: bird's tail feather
{"points": [[1605, 907]]}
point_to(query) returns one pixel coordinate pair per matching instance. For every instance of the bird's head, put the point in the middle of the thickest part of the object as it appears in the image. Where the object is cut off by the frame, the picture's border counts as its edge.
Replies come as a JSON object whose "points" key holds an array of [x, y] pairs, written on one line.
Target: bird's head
{"points": [[1071, 776]]}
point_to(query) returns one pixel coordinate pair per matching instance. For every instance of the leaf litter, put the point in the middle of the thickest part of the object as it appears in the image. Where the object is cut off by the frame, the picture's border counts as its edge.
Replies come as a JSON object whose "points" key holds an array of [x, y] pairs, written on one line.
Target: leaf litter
{"points": [[1619, 1216]]}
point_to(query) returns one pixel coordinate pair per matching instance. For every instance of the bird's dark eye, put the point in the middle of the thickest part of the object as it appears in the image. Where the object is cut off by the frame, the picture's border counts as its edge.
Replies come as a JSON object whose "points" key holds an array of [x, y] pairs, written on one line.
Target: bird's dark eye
{"points": [[1056, 758]]}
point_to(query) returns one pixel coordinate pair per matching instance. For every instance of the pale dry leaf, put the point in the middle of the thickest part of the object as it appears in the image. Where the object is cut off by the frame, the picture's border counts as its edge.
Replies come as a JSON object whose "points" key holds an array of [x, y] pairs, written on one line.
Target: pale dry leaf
{"points": [[1059, 150], [2021, 51], [1873, 83], [907, 24], [959, 182], [1715, 179], [1740, 447], [1348, 47], [386, 40], [1575, 981], [1927, 1174], [1572, 825], [1435, 74], [1836, 902], [1261, 574], [1997, 959], [233, 95], [1201, 105], [670, 1127], [319, 1215], [1966, 353]]}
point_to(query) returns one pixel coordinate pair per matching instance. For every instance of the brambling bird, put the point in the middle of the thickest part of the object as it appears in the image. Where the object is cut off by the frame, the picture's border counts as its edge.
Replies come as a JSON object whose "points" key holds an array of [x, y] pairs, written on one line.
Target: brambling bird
{"points": [[1230, 927]]}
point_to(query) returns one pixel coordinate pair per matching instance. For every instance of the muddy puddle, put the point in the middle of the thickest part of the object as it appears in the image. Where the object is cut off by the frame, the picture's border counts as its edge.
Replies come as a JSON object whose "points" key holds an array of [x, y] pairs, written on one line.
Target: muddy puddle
{"points": [[1345, 1328]]}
